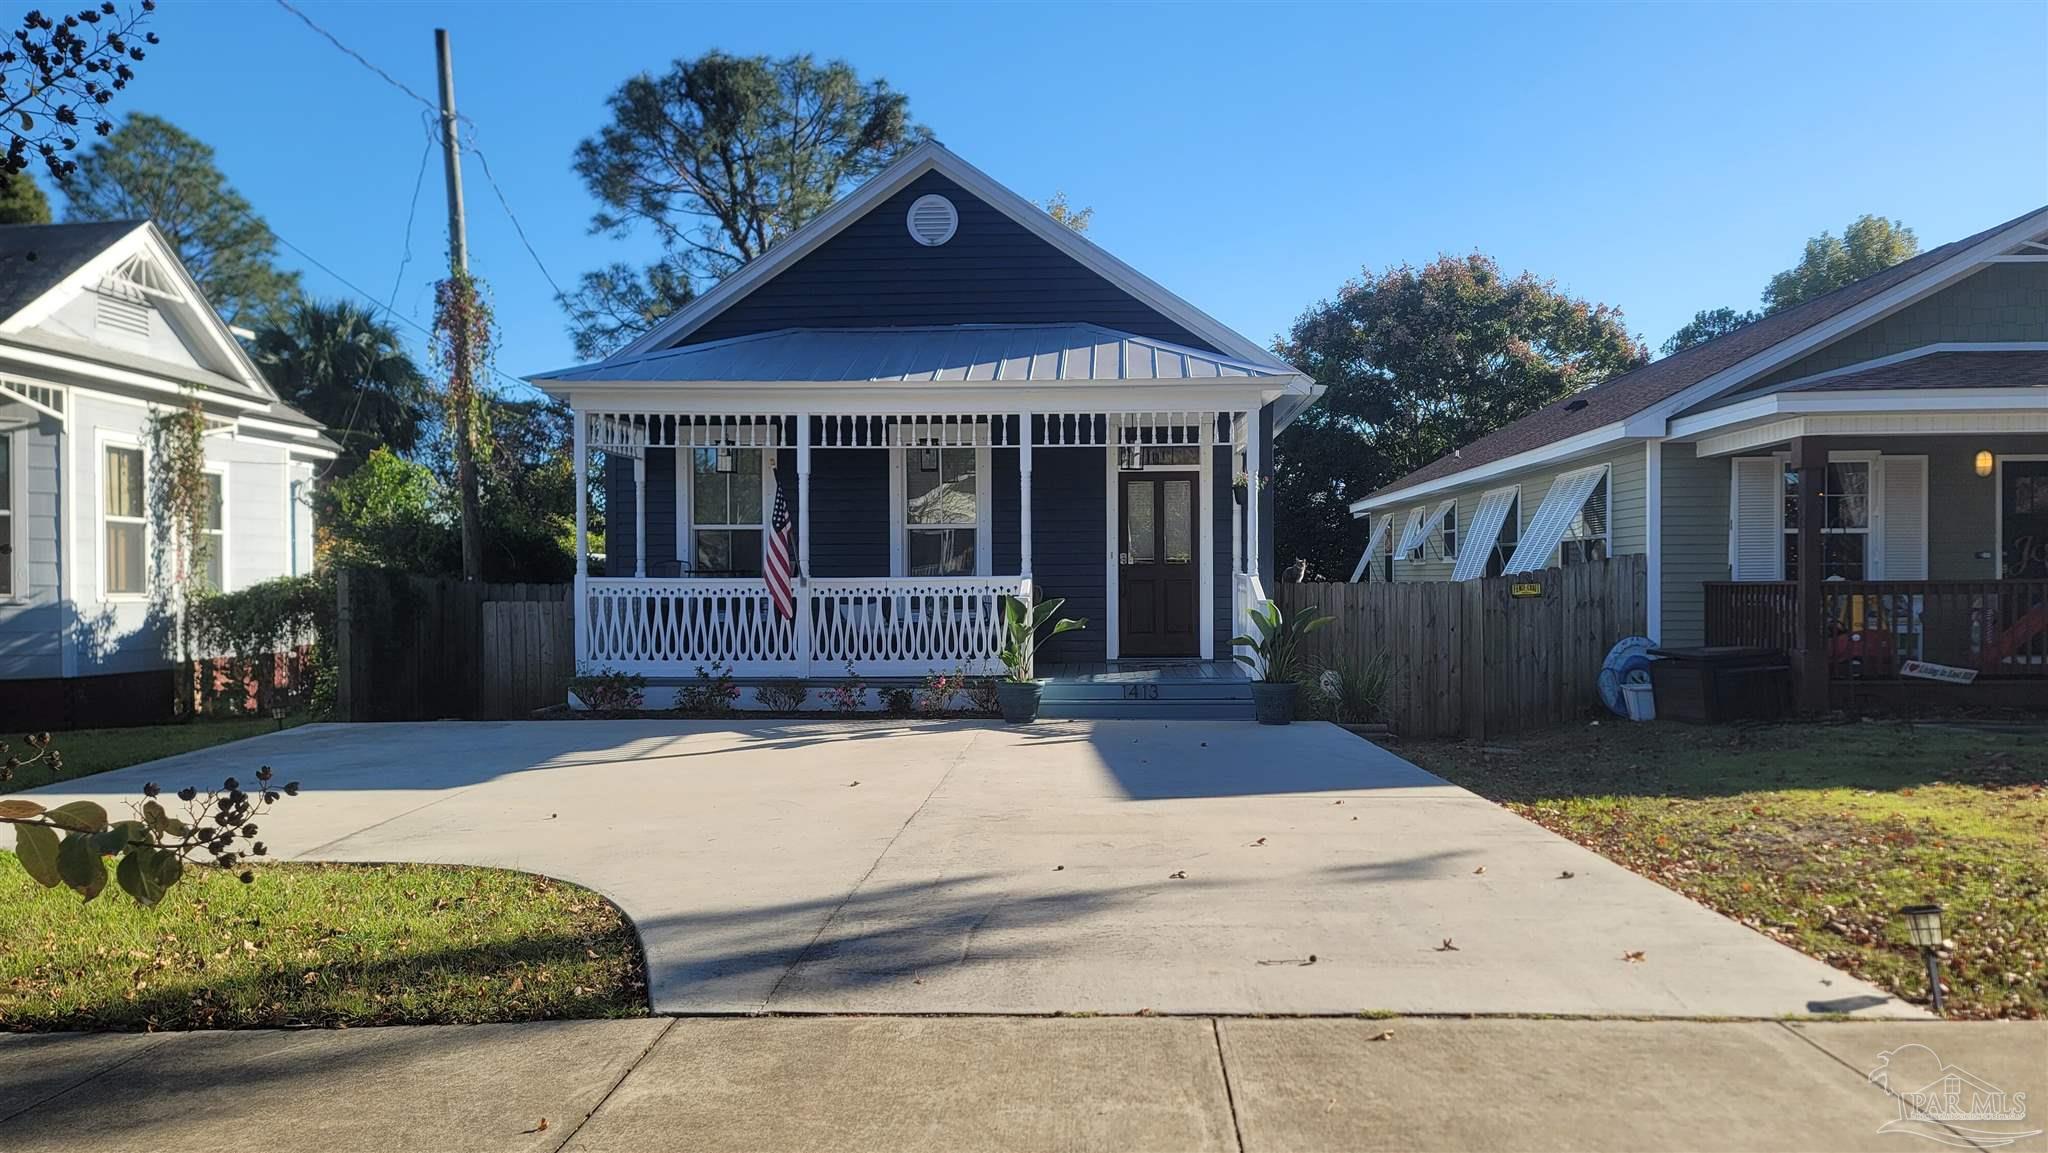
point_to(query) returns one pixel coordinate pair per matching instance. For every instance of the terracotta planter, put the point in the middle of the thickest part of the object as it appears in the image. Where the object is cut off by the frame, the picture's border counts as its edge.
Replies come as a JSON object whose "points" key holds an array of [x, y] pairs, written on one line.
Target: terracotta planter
{"points": [[1273, 701], [1019, 700]]}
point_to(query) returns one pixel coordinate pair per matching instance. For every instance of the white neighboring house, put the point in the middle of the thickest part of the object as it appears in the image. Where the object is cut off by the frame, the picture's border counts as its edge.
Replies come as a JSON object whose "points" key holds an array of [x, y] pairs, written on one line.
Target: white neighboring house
{"points": [[100, 324]]}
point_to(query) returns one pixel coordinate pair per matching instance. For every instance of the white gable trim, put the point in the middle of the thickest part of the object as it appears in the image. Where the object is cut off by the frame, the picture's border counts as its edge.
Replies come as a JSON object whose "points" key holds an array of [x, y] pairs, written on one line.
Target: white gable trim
{"points": [[181, 295], [1556, 450], [1875, 401], [1651, 421], [933, 157]]}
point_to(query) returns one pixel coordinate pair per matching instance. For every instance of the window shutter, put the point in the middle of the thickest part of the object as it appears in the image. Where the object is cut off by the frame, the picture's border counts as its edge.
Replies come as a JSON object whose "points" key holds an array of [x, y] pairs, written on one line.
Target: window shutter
{"points": [[1411, 535], [1476, 548], [1567, 495], [1373, 543], [1904, 505], [1757, 515]]}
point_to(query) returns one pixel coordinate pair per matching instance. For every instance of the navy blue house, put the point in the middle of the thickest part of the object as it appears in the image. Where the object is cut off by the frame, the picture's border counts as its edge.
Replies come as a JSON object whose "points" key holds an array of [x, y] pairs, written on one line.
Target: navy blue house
{"points": [[956, 398]]}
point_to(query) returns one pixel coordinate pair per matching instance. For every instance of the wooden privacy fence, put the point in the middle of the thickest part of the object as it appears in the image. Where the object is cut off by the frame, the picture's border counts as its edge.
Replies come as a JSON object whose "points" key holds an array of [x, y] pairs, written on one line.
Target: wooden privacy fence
{"points": [[411, 648], [1485, 657]]}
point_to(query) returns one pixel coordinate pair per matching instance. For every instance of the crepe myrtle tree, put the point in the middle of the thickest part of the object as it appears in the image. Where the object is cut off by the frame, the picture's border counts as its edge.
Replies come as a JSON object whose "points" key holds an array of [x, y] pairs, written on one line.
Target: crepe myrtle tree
{"points": [[58, 74], [69, 845]]}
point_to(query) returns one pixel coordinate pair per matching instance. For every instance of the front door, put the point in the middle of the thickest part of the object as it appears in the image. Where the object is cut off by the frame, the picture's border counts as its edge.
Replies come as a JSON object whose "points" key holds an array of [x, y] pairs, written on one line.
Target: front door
{"points": [[1159, 575], [2023, 519]]}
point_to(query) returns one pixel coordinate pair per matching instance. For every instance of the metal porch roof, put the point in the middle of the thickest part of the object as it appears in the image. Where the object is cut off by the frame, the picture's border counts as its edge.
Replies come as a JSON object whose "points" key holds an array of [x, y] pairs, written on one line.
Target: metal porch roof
{"points": [[974, 353]]}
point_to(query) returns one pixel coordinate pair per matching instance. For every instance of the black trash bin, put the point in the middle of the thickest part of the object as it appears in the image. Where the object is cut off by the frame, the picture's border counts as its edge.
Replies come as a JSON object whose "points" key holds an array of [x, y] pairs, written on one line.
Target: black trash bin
{"points": [[1721, 683]]}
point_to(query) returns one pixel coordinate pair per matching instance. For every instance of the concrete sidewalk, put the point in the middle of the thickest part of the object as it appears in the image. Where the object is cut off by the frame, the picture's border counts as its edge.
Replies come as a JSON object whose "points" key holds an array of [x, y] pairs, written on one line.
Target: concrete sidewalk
{"points": [[973, 1083]]}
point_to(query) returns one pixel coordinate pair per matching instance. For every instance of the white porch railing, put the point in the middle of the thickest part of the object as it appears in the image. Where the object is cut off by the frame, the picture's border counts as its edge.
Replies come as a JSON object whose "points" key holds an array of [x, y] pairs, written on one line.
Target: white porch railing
{"points": [[885, 626]]}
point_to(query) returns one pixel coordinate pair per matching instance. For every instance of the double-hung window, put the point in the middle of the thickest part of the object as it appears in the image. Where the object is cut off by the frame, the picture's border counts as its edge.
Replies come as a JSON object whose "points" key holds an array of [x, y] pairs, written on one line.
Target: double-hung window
{"points": [[1450, 540], [1585, 538], [1845, 521], [941, 514], [725, 511], [1510, 536], [209, 562], [124, 534]]}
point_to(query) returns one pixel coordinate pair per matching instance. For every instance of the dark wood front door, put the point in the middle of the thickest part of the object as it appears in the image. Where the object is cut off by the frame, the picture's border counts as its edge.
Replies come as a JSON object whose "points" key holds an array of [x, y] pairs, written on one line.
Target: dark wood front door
{"points": [[1159, 575], [2023, 519]]}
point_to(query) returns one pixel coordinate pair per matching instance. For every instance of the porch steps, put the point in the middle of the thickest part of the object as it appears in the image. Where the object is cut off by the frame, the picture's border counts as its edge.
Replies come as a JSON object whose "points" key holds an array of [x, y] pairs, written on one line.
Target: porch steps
{"points": [[1216, 700]]}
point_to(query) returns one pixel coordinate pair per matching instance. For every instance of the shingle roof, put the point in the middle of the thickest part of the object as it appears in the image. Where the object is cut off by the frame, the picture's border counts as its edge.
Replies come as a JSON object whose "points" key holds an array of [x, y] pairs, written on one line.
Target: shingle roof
{"points": [[958, 353], [35, 257], [2018, 368], [1631, 392]]}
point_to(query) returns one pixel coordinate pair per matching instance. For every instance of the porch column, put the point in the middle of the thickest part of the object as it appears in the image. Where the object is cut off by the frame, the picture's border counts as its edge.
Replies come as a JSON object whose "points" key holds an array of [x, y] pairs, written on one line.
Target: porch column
{"points": [[1254, 462], [580, 447], [803, 544], [1810, 659], [1024, 494], [640, 513]]}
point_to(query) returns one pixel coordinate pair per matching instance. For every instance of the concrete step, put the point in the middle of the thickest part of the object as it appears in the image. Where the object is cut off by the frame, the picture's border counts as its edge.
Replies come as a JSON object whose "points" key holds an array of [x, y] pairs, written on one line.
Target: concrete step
{"points": [[1146, 710], [1145, 691]]}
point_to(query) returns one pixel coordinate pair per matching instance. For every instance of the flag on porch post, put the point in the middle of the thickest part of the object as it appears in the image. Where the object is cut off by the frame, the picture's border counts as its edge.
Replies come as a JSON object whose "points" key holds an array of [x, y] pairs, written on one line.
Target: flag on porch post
{"points": [[775, 556]]}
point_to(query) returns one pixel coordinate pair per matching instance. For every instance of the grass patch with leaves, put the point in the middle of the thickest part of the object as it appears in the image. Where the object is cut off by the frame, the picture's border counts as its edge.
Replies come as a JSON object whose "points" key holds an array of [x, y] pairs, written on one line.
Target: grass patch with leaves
{"points": [[316, 944], [1814, 834], [89, 751]]}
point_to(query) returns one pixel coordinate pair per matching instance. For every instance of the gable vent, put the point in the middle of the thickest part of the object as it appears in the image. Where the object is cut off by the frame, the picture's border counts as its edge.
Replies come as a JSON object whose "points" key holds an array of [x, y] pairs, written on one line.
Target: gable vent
{"points": [[121, 320], [933, 220]]}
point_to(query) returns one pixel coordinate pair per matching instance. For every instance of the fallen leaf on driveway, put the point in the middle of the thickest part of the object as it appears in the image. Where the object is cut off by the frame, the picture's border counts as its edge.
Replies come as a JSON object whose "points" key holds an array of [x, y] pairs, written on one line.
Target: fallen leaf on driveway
{"points": [[1382, 1035], [1447, 947], [1633, 956], [1480, 871], [851, 784], [1256, 844], [1566, 875], [540, 1128], [1058, 868], [1179, 876]]}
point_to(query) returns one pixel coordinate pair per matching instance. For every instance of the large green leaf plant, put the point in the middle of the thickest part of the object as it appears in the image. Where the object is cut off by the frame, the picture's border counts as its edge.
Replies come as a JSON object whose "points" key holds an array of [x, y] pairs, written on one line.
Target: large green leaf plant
{"points": [[1021, 626]]}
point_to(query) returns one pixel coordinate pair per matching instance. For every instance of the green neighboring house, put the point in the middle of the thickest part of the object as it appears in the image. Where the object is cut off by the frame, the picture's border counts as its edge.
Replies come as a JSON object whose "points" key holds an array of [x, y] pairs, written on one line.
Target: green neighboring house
{"points": [[1914, 401]]}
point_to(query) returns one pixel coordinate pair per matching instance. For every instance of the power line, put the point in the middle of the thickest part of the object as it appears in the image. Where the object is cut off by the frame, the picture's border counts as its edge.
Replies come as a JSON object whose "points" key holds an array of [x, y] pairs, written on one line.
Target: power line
{"points": [[435, 109]]}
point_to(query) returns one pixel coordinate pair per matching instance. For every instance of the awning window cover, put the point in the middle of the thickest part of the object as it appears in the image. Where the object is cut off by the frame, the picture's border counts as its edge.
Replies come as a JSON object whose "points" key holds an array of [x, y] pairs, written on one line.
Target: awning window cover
{"points": [[1477, 546], [1560, 506], [1381, 528], [1411, 534]]}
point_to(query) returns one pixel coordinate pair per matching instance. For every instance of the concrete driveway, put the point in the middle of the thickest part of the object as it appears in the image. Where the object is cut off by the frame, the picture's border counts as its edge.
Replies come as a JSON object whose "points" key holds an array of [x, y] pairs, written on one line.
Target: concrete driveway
{"points": [[1106, 866]]}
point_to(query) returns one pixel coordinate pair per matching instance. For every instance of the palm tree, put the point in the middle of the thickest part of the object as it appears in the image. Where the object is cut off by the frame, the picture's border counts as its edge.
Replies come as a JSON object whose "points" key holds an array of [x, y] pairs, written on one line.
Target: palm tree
{"points": [[335, 362]]}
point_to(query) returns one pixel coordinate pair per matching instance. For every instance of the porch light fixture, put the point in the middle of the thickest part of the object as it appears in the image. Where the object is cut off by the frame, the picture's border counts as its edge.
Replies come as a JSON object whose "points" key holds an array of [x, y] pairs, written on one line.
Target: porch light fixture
{"points": [[1983, 462], [1923, 926]]}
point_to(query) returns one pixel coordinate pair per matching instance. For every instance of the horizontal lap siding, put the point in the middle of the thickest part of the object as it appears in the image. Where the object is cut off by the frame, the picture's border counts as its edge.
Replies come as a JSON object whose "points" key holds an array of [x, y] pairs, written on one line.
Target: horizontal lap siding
{"points": [[619, 523], [1006, 514], [30, 628], [1070, 546], [850, 512], [993, 271], [1695, 530]]}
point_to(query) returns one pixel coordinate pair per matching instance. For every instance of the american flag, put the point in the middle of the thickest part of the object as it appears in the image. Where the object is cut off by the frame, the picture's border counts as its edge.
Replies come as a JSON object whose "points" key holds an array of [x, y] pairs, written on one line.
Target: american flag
{"points": [[775, 562]]}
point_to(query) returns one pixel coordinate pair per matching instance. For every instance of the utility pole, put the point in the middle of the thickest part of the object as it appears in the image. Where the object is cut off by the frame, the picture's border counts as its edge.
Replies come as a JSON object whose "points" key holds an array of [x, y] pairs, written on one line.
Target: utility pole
{"points": [[462, 357]]}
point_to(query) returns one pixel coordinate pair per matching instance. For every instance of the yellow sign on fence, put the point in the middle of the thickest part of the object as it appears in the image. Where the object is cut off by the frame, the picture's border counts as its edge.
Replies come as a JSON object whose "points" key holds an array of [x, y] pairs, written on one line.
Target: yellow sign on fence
{"points": [[1525, 589]]}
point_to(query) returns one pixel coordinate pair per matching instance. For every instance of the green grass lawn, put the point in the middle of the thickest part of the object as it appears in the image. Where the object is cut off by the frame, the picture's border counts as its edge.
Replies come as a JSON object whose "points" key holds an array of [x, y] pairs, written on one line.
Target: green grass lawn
{"points": [[88, 751], [315, 945], [1814, 834]]}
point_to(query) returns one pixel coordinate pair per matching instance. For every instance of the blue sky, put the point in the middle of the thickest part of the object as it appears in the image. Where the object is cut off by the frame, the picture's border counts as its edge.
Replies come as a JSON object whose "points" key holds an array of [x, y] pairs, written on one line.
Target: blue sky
{"points": [[1658, 158]]}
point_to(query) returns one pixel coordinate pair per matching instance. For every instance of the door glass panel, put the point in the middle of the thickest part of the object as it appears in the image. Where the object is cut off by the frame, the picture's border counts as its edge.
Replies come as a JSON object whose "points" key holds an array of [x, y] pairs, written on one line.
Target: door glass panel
{"points": [[1180, 518], [1139, 528]]}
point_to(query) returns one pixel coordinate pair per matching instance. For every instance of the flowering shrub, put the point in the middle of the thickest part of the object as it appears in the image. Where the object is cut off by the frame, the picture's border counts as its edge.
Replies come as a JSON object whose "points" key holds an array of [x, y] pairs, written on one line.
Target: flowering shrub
{"points": [[937, 691], [611, 691], [714, 694], [848, 695], [782, 696]]}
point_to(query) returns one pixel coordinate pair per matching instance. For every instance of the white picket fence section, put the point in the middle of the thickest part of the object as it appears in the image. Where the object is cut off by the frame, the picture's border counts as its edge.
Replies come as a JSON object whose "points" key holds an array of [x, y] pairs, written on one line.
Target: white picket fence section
{"points": [[884, 626]]}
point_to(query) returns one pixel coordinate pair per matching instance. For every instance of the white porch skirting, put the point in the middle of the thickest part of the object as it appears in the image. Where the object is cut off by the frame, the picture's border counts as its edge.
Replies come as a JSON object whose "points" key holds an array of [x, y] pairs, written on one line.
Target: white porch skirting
{"points": [[883, 626]]}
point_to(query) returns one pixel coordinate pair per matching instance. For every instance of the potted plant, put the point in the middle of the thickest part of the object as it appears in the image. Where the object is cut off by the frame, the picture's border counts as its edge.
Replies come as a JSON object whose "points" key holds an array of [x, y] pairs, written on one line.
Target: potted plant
{"points": [[1275, 659], [1017, 693]]}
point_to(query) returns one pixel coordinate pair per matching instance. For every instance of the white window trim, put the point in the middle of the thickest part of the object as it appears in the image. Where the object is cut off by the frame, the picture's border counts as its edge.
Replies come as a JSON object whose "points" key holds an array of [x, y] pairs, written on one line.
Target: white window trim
{"points": [[1873, 528], [1513, 517], [15, 531], [103, 440], [1997, 507], [686, 527], [984, 511], [1447, 535], [1418, 516], [227, 572], [1605, 485]]}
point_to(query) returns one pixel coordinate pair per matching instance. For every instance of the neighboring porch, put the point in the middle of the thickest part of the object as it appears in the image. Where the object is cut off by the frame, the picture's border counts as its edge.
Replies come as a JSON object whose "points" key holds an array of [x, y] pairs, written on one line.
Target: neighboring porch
{"points": [[1930, 549]]}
